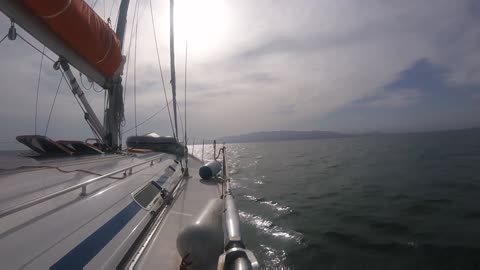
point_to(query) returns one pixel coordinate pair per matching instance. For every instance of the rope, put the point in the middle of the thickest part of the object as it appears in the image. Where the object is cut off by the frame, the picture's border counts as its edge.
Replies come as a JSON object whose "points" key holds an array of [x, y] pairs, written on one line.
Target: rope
{"points": [[128, 52], [83, 109], [3, 38], [135, 77], [181, 121], [38, 50], [53, 104], [149, 118], [98, 91], [185, 100], [81, 81], [219, 152], [185, 94], [111, 8], [116, 19], [104, 106], [38, 88], [160, 66]]}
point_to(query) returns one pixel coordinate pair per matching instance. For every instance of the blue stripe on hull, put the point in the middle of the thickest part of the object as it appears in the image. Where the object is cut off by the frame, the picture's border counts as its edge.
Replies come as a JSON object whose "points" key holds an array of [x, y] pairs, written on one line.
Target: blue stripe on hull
{"points": [[84, 252]]}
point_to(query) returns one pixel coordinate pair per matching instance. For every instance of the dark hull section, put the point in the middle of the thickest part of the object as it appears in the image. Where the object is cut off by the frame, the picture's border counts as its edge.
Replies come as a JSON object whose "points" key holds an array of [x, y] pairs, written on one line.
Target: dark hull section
{"points": [[157, 144], [47, 147], [43, 145]]}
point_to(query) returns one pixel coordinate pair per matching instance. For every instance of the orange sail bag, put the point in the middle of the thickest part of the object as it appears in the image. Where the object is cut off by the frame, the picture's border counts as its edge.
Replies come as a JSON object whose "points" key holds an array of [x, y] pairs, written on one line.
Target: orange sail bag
{"points": [[77, 24]]}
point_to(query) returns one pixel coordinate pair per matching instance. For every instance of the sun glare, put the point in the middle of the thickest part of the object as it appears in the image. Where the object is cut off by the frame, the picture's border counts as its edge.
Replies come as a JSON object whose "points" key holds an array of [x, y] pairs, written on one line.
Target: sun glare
{"points": [[202, 23]]}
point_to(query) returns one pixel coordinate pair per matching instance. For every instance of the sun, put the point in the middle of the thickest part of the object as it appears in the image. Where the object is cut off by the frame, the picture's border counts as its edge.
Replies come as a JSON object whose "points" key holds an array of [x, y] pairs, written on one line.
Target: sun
{"points": [[203, 23]]}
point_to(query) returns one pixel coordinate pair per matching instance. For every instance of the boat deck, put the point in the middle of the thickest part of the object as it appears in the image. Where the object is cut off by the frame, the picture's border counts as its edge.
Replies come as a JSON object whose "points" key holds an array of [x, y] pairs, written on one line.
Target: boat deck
{"points": [[39, 236], [161, 251]]}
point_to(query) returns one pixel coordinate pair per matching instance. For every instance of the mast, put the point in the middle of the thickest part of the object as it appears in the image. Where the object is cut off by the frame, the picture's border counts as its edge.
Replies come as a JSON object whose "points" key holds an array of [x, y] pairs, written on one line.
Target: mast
{"points": [[115, 109], [122, 21], [172, 68]]}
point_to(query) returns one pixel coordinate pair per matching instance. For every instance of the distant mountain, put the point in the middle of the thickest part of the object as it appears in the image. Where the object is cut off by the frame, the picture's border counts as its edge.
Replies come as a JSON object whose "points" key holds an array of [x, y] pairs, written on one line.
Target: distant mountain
{"points": [[282, 136]]}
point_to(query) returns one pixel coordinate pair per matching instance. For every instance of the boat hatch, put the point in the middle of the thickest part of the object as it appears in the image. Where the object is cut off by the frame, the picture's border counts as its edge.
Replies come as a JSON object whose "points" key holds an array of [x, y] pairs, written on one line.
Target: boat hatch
{"points": [[146, 195]]}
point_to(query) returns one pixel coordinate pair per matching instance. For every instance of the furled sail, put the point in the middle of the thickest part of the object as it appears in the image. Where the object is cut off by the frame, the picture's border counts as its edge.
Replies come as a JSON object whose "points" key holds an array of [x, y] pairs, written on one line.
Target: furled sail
{"points": [[72, 29], [82, 29]]}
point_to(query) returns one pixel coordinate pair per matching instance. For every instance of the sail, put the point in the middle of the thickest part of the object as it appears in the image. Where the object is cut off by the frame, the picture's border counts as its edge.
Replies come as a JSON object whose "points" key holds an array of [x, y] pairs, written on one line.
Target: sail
{"points": [[72, 29], [82, 29]]}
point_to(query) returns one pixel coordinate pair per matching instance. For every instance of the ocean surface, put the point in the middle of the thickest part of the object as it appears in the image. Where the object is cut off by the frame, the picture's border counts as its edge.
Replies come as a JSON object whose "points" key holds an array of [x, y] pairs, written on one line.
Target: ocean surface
{"points": [[407, 201]]}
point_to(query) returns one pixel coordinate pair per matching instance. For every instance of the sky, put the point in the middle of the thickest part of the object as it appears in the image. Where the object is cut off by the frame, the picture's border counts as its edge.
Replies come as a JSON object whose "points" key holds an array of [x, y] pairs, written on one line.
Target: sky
{"points": [[258, 65]]}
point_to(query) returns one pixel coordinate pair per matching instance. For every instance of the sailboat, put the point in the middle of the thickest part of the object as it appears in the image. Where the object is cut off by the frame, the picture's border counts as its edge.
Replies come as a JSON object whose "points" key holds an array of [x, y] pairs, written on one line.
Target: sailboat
{"points": [[94, 205]]}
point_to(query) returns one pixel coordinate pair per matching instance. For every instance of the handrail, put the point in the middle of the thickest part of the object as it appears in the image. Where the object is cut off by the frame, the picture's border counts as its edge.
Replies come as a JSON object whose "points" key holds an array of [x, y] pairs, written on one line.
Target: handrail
{"points": [[83, 185], [236, 256]]}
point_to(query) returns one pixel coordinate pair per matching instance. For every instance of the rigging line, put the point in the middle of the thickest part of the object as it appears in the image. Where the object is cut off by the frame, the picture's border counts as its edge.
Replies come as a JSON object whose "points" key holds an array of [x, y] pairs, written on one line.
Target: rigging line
{"points": [[53, 104], [135, 77], [111, 8], [99, 137], [104, 106], [185, 94], [3, 38], [129, 51], [38, 50], [116, 19], [38, 89], [94, 4], [81, 81], [180, 117], [98, 91], [149, 118], [160, 66]]}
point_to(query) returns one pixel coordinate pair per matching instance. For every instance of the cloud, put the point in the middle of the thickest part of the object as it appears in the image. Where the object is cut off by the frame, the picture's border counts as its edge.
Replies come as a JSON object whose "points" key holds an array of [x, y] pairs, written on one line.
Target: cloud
{"points": [[400, 98], [271, 65]]}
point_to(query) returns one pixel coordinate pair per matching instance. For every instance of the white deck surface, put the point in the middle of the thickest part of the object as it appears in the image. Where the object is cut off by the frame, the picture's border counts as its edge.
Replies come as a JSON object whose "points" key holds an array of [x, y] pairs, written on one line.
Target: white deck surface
{"points": [[161, 252]]}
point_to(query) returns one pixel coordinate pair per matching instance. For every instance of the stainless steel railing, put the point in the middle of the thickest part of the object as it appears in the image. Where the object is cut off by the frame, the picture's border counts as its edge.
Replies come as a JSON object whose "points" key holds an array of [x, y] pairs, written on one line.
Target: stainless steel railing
{"points": [[83, 186], [236, 256]]}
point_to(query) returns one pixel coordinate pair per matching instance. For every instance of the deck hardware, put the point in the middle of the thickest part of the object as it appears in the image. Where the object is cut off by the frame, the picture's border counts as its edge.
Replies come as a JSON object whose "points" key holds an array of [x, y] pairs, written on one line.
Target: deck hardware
{"points": [[12, 32], [166, 196], [84, 191], [83, 185]]}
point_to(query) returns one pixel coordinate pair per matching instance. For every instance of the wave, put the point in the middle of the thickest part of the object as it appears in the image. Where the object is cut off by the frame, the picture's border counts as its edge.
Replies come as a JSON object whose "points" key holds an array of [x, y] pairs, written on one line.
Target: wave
{"points": [[273, 258], [270, 228], [273, 204], [258, 181]]}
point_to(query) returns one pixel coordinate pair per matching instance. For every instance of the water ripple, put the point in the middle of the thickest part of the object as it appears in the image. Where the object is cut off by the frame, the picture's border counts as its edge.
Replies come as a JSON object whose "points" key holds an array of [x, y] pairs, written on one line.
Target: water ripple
{"points": [[274, 257], [273, 204], [268, 227]]}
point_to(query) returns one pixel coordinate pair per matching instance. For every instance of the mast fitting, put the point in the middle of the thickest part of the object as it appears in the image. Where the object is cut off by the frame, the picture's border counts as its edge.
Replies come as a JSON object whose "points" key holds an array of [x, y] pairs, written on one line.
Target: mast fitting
{"points": [[12, 32]]}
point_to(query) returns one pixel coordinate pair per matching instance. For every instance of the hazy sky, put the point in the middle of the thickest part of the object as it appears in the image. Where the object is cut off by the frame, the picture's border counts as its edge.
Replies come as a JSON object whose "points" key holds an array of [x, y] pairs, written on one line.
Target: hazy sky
{"points": [[253, 65]]}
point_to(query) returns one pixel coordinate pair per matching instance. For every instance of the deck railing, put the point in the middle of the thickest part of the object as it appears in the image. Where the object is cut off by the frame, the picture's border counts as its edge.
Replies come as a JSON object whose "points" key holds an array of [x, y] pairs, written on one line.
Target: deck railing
{"points": [[236, 255], [83, 186]]}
